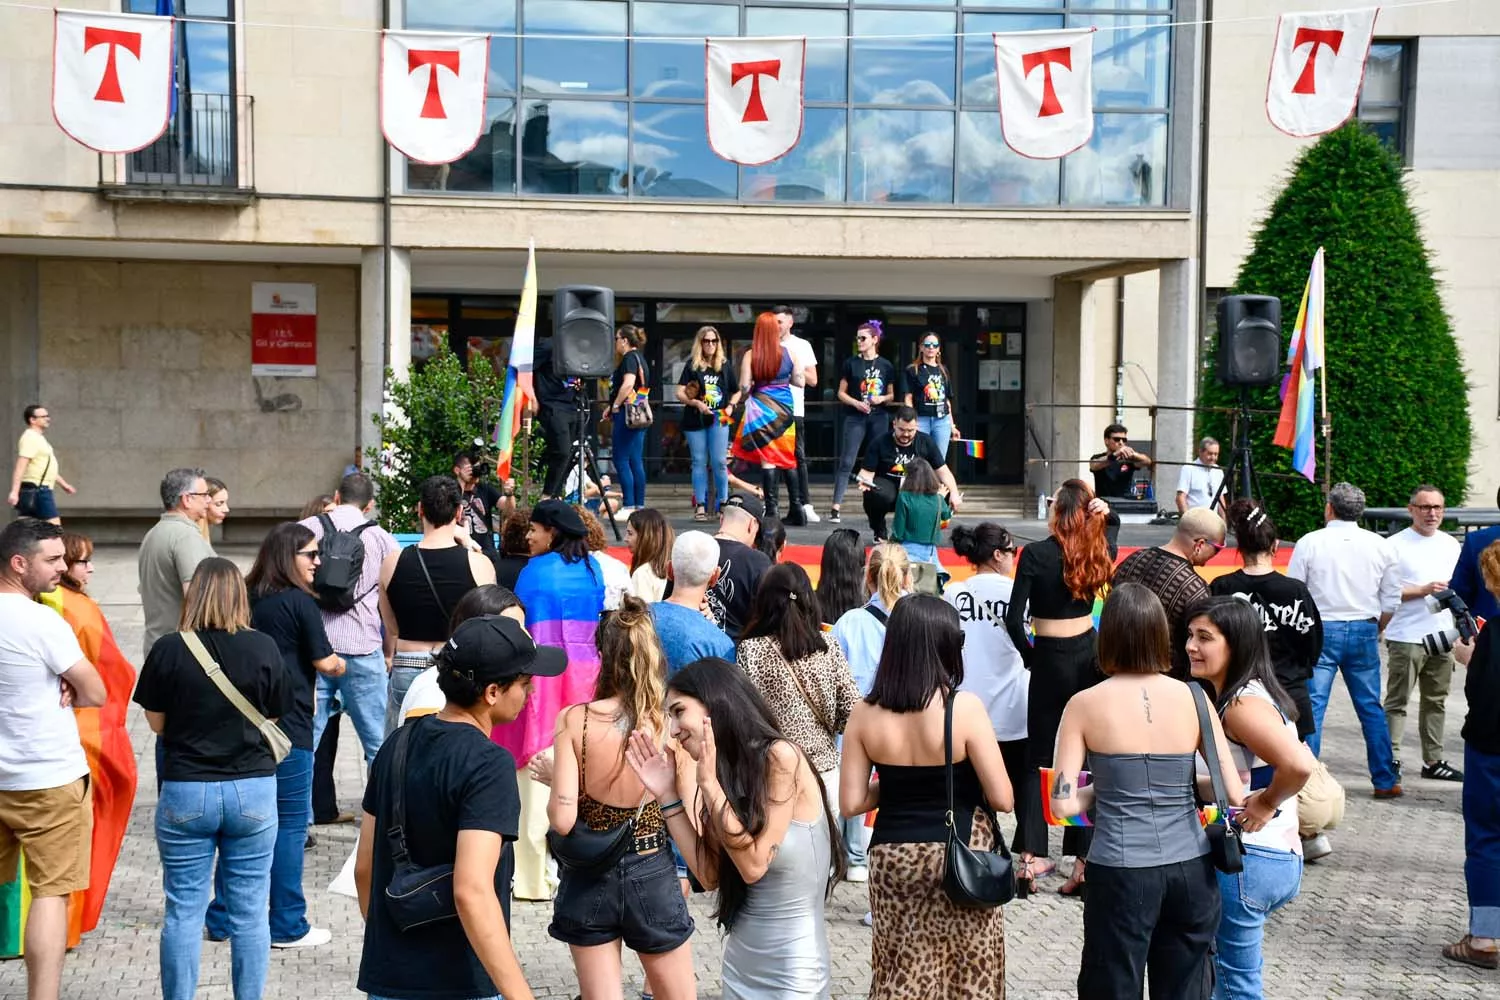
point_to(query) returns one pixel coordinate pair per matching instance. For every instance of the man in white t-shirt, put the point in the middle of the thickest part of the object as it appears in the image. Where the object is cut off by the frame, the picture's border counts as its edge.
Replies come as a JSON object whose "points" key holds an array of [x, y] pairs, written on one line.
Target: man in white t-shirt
{"points": [[1200, 479], [803, 357], [46, 804], [1424, 557]]}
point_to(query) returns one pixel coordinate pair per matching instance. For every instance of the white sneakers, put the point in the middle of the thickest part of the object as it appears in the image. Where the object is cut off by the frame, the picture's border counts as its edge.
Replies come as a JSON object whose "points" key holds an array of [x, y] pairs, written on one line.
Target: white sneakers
{"points": [[1314, 848], [314, 937], [623, 514], [810, 514], [857, 873]]}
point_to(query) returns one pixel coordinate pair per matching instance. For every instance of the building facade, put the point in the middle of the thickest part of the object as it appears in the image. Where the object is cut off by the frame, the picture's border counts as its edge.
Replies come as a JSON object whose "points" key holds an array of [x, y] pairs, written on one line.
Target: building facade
{"points": [[1066, 293]]}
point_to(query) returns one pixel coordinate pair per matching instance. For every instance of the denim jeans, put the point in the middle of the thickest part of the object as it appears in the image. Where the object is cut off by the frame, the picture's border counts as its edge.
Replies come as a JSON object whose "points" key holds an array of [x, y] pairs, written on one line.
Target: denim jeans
{"points": [[940, 429], [195, 820], [1481, 804], [710, 449], [361, 690], [859, 428], [293, 814], [1352, 648], [1270, 880], [628, 446], [399, 682]]}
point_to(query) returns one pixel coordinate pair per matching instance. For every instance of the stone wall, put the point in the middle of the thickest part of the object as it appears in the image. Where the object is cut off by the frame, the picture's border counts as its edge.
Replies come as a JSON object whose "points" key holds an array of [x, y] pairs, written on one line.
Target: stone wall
{"points": [[146, 366]]}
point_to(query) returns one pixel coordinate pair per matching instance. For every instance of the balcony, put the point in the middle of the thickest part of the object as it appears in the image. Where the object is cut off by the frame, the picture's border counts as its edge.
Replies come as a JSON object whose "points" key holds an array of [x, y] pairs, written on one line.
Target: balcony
{"points": [[205, 155]]}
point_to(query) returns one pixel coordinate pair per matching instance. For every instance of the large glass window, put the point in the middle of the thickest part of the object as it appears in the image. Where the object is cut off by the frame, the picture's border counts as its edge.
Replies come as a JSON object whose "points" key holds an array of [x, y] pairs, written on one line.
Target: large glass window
{"points": [[1383, 105], [898, 106]]}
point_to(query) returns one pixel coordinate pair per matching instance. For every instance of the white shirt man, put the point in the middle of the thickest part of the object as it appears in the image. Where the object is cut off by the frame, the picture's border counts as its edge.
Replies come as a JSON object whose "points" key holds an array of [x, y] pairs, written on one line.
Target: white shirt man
{"points": [[1423, 558], [1199, 480], [804, 358]]}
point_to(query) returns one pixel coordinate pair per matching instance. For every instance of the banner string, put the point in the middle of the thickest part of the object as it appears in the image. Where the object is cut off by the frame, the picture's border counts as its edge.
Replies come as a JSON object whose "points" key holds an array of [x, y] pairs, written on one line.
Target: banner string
{"points": [[1142, 21]]}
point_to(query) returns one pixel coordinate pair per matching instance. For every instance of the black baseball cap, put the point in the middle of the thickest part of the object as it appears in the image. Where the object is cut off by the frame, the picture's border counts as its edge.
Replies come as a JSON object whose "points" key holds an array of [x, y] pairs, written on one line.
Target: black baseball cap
{"points": [[747, 502], [559, 516], [492, 649]]}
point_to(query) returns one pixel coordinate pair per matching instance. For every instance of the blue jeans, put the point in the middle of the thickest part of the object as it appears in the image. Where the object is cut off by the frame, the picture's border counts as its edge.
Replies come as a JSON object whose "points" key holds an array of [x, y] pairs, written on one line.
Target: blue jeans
{"points": [[237, 821], [857, 841], [1270, 880], [1482, 840], [293, 814], [1352, 648], [397, 686], [710, 450], [940, 429], [859, 428], [629, 448], [361, 690]]}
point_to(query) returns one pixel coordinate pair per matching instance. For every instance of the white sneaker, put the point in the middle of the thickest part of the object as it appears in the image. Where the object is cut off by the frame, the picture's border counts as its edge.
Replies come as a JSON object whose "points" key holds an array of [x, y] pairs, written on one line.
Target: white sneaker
{"points": [[314, 938], [623, 514], [810, 514], [1314, 848], [868, 919], [857, 873]]}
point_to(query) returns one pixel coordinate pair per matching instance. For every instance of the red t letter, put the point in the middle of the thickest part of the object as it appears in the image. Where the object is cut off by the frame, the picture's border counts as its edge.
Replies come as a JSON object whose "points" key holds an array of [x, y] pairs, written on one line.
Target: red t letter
{"points": [[109, 87], [1317, 36], [432, 107], [755, 111], [1045, 58]]}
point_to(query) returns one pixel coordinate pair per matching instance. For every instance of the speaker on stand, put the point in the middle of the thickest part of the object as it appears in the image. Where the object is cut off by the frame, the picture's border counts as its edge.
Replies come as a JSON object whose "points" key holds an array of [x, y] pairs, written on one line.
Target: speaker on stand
{"points": [[1249, 357], [583, 346]]}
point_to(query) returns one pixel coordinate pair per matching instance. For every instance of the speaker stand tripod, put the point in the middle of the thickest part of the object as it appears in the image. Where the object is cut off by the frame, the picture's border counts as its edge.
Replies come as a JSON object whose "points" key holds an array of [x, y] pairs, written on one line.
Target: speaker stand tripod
{"points": [[1239, 476], [582, 462]]}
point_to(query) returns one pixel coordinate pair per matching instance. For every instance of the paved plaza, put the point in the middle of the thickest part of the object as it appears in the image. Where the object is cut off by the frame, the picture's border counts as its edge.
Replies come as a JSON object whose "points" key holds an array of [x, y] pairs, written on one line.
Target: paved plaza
{"points": [[1369, 921]]}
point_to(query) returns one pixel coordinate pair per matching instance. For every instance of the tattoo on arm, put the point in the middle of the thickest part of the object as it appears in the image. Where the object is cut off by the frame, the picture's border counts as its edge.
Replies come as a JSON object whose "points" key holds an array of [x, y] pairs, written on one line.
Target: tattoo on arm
{"points": [[1146, 700], [566, 800]]}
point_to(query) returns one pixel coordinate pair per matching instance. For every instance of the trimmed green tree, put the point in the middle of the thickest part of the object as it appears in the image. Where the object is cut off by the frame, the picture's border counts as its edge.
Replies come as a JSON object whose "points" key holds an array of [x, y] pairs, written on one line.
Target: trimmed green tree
{"points": [[1398, 399], [437, 411]]}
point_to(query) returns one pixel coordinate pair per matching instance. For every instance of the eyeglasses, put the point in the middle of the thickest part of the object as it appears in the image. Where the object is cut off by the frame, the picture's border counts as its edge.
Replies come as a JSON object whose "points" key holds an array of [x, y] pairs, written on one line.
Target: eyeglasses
{"points": [[931, 343], [205, 493], [309, 553], [1216, 546], [710, 340], [1120, 438], [862, 337], [1427, 508]]}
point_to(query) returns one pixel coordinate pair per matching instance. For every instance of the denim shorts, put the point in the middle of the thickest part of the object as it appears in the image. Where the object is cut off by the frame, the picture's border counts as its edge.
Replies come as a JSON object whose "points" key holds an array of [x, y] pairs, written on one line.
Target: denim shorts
{"points": [[36, 501], [638, 901]]}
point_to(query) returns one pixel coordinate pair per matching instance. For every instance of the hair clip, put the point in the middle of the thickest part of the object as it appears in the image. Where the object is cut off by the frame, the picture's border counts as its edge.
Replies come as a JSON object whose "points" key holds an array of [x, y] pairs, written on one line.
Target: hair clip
{"points": [[1255, 516], [791, 595]]}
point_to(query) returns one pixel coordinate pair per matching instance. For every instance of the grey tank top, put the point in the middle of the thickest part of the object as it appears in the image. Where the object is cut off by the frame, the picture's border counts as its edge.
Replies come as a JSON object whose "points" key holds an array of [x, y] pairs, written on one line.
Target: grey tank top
{"points": [[1145, 813]]}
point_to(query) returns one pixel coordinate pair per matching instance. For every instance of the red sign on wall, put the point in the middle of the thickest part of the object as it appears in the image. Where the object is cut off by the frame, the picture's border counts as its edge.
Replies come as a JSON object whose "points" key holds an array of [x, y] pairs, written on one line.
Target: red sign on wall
{"points": [[283, 329]]}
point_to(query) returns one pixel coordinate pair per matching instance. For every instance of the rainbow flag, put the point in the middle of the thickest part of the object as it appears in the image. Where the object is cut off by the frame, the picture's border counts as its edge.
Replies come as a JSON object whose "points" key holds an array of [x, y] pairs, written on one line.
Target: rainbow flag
{"points": [[973, 447], [518, 377], [1296, 428], [1049, 778]]}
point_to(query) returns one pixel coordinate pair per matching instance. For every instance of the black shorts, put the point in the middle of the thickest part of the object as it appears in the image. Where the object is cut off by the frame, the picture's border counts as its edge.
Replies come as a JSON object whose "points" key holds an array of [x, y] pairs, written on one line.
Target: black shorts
{"points": [[638, 900]]}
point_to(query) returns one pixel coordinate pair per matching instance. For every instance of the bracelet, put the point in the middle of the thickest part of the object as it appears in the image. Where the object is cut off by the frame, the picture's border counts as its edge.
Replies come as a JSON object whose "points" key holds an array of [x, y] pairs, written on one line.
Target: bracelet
{"points": [[674, 804]]}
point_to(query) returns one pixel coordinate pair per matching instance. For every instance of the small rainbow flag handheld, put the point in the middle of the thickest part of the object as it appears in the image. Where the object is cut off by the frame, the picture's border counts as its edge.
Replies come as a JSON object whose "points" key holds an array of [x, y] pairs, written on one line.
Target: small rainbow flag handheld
{"points": [[1049, 778], [973, 447]]}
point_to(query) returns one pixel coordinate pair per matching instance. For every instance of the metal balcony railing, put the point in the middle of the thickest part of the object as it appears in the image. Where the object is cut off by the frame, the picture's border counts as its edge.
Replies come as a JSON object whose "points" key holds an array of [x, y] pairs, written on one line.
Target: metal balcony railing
{"points": [[208, 145]]}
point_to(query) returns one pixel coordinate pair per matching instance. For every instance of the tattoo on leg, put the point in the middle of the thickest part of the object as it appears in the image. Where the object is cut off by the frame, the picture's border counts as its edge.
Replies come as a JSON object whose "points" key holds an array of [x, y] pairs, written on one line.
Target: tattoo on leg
{"points": [[1146, 700]]}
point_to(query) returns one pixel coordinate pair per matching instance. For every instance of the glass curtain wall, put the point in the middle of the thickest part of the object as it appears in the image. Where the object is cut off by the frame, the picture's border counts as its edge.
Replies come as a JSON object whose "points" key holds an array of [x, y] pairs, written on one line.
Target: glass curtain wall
{"points": [[901, 103]]}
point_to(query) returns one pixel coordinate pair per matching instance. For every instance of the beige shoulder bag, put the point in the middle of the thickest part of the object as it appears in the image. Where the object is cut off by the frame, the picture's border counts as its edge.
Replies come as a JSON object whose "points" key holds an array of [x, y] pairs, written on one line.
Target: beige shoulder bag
{"points": [[278, 741]]}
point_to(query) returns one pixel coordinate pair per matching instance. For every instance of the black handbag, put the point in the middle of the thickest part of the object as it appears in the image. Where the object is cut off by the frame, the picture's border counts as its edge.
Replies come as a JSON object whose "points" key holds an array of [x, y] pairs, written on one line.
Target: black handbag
{"points": [[589, 852], [415, 896], [976, 880], [1224, 843]]}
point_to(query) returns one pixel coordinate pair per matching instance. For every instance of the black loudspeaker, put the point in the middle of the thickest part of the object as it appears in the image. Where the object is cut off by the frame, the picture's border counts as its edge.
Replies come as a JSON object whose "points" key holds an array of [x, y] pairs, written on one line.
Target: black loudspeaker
{"points": [[583, 331], [1249, 340]]}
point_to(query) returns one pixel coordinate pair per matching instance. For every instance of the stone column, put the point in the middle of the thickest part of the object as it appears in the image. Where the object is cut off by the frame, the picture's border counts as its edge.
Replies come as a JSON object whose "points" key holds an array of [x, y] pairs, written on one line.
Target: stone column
{"points": [[1074, 432], [1177, 372], [20, 340], [384, 334]]}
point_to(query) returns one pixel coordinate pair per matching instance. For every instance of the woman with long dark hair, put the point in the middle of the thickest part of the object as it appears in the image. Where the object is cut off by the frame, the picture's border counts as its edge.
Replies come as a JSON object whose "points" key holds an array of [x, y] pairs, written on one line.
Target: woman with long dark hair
{"points": [[925, 946], [627, 444], [708, 391], [282, 606], [1226, 649], [841, 574], [767, 436], [770, 538], [1057, 581], [648, 536], [749, 813], [637, 901]]}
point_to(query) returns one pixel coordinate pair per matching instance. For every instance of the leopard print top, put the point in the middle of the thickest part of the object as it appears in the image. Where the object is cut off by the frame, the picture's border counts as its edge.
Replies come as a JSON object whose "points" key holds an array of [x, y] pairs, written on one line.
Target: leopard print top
{"points": [[824, 677]]}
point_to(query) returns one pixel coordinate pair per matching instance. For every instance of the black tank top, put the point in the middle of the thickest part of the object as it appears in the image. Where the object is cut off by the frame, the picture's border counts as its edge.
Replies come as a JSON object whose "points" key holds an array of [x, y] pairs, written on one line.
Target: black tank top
{"points": [[420, 617]]}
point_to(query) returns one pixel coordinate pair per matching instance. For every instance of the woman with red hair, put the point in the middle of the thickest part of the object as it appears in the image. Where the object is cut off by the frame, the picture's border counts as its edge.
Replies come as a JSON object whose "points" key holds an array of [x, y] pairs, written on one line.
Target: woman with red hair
{"points": [[1058, 579], [767, 436]]}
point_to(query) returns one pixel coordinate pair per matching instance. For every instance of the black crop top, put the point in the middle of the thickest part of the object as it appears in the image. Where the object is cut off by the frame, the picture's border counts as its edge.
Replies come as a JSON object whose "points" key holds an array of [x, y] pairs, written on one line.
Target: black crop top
{"points": [[419, 617], [1039, 590], [914, 802]]}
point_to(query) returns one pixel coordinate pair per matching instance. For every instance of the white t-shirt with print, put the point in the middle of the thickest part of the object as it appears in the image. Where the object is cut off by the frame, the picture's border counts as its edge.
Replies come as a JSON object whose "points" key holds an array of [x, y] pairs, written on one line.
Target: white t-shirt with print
{"points": [[39, 745], [993, 668], [802, 355]]}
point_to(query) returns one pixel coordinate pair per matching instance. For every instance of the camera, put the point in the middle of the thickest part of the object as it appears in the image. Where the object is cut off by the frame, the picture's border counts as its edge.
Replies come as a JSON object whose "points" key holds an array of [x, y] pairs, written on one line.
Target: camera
{"points": [[1464, 627]]}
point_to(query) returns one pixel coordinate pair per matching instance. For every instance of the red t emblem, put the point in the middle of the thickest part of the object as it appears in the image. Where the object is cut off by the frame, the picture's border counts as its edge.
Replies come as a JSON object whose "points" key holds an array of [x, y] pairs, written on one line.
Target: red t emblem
{"points": [[448, 59], [1316, 36], [755, 110], [1046, 58], [109, 86]]}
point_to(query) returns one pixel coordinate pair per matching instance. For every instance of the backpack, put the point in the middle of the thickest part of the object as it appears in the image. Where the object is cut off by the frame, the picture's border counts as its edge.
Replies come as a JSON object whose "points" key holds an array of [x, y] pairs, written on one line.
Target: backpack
{"points": [[336, 580]]}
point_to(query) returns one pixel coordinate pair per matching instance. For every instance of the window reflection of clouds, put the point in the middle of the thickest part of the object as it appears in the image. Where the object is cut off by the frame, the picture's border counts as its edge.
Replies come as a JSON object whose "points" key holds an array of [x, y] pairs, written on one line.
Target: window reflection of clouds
{"points": [[991, 173], [1123, 4], [891, 70], [578, 65], [902, 156], [979, 51], [461, 15], [675, 68], [1125, 163], [490, 167], [812, 171], [826, 78], [574, 147], [1132, 60], [672, 155]]}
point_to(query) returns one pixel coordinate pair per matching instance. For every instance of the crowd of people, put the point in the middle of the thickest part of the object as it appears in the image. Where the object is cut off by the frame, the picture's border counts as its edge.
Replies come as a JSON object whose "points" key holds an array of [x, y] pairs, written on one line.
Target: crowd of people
{"points": [[544, 722]]}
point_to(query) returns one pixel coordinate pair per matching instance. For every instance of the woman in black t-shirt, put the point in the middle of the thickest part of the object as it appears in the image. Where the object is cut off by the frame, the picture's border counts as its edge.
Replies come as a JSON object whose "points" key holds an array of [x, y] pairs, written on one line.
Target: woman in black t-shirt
{"points": [[628, 444], [926, 387], [708, 391], [218, 793], [867, 386], [282, 606]]}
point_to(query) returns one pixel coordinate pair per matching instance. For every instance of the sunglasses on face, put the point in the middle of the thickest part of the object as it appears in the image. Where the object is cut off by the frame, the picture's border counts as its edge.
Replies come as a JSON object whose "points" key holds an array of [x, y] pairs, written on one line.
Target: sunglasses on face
{"points": [[1216, 546], [710, 340], [309, 553], [1119, 438], [930, 343]]}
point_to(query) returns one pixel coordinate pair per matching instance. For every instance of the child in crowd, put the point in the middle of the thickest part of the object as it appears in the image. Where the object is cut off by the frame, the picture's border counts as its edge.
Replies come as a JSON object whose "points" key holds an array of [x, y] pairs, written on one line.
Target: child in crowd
{"points": [[921, 511]]}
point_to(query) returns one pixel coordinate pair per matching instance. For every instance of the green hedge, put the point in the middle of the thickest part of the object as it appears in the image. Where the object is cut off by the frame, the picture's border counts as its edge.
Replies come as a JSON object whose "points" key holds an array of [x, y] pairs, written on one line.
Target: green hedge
{"points": [[1397, 392]]}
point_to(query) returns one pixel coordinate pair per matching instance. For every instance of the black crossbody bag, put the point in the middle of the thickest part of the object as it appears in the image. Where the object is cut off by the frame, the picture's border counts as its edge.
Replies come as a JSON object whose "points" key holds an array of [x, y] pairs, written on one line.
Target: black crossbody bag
{"points": [[415, 896], [1224, 843], [976, 880]]}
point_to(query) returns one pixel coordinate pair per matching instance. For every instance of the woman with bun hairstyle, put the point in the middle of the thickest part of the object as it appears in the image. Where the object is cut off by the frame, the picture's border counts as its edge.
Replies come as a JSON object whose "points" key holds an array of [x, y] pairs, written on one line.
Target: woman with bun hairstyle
{"points": [[993, 668], [1057, 581], [1294, 629]]}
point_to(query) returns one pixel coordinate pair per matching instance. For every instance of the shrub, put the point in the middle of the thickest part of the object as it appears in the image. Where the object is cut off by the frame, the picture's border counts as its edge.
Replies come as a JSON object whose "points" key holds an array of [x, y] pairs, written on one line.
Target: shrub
{"points": [[1397, 393]]}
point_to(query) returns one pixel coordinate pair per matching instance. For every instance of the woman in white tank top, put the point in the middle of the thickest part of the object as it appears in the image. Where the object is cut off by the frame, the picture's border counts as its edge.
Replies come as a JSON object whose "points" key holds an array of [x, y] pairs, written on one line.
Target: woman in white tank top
{"points": [[1226, 647]]}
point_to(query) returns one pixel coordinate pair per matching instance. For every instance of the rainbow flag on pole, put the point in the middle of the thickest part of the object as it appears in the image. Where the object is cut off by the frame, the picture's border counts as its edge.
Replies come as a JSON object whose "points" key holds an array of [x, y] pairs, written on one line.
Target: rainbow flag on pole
{"points": [[1296, 429], [973, 447], [518, 384]]}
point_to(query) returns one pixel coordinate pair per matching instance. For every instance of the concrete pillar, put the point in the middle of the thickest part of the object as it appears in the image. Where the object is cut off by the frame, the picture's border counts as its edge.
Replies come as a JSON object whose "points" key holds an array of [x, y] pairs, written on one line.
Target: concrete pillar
{"points": [[1177, 373], [1074, 323], [384, 334], [20, 342]]}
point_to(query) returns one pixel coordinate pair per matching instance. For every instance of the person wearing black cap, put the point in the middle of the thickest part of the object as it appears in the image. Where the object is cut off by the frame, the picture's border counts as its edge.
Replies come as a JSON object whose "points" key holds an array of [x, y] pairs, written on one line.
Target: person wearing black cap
{"points": [[462, 808]]}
